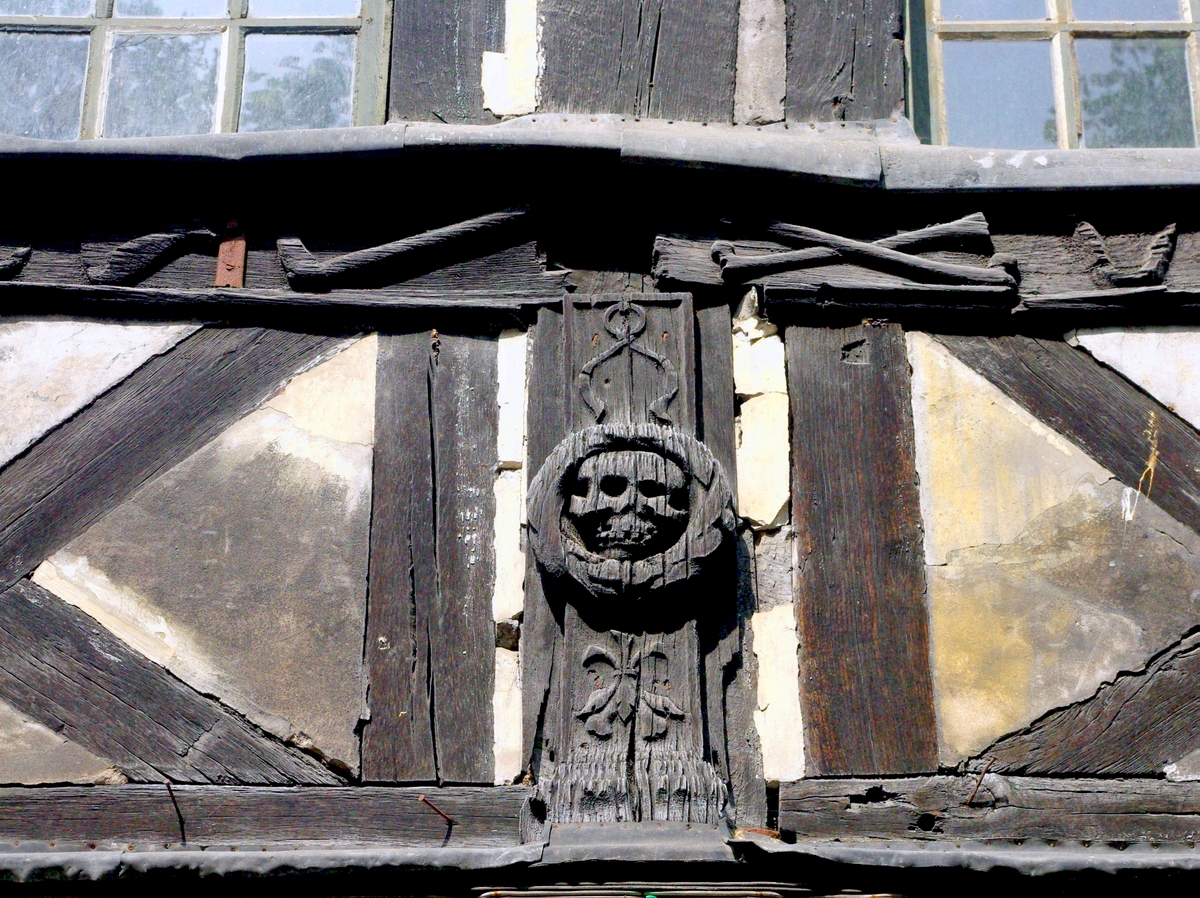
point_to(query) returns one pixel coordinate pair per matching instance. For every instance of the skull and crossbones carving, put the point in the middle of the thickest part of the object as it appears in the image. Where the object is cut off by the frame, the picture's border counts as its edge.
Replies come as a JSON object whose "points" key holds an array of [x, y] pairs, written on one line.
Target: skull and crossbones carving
{"points": [[629, 504], [628, 508]]}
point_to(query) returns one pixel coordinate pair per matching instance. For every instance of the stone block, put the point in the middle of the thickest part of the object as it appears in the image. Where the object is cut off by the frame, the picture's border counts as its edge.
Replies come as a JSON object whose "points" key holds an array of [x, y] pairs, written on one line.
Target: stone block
{"points": [[243, 569], [506, 712], [758, 366], [508, 592], [49, 370], [510, 376], [777, 715], [773, 567], [1163, 361], [761, 62], [763, 458], [35, 755]]}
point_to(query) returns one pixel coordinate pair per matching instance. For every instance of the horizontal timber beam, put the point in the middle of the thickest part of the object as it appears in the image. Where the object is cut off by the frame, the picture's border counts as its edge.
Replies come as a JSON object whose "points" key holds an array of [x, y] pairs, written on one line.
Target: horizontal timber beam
{"points": [[991, 807], [235, 816]]}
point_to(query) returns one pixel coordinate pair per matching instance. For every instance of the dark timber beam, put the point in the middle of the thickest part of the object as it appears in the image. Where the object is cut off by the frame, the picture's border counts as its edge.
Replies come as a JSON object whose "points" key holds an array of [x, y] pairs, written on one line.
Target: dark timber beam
{"points": [[66, 671], [1133, 726], [992, 807], [845, 59], [1147, 446], [661, 59], [865, 684], [430, 637], [159, 415], [232, 816]]}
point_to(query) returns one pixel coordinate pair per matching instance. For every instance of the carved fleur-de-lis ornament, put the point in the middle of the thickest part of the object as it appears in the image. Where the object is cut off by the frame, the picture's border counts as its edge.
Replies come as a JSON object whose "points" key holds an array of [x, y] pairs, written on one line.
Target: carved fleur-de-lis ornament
{"points": [[617, 676]]}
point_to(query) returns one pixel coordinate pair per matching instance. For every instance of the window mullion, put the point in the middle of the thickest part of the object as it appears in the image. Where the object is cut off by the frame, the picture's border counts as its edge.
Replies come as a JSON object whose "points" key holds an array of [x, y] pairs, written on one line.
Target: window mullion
{"points": [[369, 92], [89, 120], [234, 64], [1066, 91]]}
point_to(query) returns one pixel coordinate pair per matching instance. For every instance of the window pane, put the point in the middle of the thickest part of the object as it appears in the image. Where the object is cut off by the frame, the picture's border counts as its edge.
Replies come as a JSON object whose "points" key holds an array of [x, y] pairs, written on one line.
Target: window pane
{"points": [[1127, 10], [999, 94], [304, 7], [1135, 93], [47, 7], [41, 84], [162, 84], [191, 9], [297, 81], [993, 10]]}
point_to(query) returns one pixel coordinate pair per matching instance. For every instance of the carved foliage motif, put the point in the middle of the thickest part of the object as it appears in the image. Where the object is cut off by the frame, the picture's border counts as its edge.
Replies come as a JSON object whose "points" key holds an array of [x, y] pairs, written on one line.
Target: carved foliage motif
{"points": [[622, 688]]}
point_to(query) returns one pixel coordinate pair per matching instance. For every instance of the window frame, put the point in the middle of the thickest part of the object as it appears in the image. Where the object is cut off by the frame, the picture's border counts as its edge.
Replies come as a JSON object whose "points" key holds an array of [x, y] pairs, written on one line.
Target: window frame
{"points": [[927, 103], [371, 53]]}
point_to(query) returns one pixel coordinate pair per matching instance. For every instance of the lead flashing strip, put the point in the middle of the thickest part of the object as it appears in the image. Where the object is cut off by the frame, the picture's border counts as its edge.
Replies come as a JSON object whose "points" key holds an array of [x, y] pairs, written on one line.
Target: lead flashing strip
{"points": [[881, 154]]}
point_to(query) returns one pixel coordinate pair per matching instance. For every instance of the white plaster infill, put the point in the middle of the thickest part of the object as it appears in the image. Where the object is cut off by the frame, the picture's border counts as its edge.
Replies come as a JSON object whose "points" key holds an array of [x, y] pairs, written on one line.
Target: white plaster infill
{"points": [[508, 593], [509, 79], [777, 712]]}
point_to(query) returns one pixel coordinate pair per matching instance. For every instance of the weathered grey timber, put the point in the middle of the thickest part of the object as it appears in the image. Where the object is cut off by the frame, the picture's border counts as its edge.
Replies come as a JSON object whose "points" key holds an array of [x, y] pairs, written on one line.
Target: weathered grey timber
{"points": [[1136, 437], [462, 403], [937, 808], [306, 270], [663, 59], [166, 410], [397, 740], [865, 684], [62, 668], [132, 260], [239, 816], [1134, 726], [16, 258], [437, 53], [845, 59], [627, 505], [430, 637]]}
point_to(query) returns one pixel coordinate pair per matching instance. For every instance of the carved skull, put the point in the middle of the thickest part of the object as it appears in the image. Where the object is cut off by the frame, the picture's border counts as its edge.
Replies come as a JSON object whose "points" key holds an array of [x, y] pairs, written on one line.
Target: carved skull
{"points": [[629, 505]]}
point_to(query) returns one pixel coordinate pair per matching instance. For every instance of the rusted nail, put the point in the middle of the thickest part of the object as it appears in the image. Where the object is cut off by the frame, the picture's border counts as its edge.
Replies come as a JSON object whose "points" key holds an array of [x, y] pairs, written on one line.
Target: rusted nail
{"points": [[439, 811], [979, 782]]}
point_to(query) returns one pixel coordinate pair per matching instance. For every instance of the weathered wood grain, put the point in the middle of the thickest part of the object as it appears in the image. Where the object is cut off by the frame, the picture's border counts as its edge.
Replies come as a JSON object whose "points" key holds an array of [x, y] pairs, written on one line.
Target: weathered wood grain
{"points": [[430, 637], [13, 261], [61, 668], [305, 270], [729, 710], [129, 262], [235, 816], [865, 684], [1003, 808], [714, 371], [1134, 726], [1113, 421], [546, 425], [163, 412], [463, 404], [398, 740], [671, 59], [845, 59], [437, 59]]}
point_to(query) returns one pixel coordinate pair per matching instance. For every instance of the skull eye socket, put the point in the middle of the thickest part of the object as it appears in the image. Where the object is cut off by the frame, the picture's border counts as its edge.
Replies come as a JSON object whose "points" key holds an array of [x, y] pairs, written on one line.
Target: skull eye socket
{"points": [[651, 489], [582, 485], [614, 484], [679, 498]]}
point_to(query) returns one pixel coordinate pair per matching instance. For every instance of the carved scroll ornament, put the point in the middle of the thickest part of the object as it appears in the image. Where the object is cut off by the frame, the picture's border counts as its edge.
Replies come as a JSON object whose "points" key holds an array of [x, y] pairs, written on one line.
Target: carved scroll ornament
{"points": [[627, 508]]}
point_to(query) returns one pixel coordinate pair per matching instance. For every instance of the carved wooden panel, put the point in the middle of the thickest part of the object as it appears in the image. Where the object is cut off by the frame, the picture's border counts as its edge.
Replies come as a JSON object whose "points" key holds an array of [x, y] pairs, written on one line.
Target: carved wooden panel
{"points": [[625, 513]]}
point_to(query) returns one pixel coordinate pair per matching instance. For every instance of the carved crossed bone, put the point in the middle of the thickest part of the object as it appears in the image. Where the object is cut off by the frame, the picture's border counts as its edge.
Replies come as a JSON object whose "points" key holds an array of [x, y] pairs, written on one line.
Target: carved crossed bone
{"points": [[821, 248]]}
